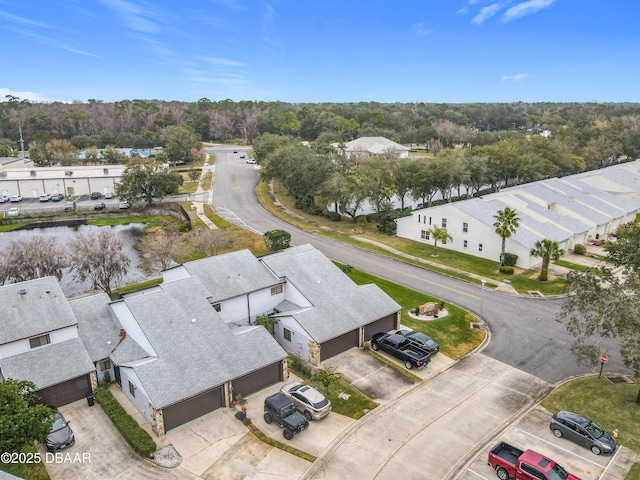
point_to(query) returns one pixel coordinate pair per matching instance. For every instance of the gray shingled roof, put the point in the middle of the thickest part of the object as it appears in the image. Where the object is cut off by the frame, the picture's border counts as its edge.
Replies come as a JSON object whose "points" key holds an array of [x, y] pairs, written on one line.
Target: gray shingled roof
{"points": [[50, 364], [40, 309], [339, 305], [128, 350], [196, 350], [376, 145], [232, 274], [97, 325]]}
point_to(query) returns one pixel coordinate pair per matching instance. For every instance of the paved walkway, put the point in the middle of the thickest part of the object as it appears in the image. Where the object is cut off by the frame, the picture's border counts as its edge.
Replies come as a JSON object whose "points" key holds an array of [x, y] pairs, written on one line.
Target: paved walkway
{"points": [[199, 205]]}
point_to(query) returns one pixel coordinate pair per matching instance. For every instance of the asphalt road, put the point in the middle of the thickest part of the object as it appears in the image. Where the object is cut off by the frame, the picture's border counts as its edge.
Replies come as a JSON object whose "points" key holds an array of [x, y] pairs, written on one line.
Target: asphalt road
{"points": [[524, 332]]}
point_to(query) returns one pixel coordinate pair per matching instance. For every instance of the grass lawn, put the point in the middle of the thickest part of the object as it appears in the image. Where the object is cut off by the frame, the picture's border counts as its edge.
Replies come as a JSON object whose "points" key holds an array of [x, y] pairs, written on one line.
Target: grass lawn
{"points": [[453, 332], [610, 406], [30, 471], [346, 230]]}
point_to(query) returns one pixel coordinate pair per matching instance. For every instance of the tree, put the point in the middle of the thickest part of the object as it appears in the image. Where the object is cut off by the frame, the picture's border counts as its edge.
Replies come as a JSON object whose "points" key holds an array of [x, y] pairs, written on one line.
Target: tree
{"points": [[29, 259], [625, 249], [326, 376], [548, 250], [210, 241], [277, 240], [179, 142], [99, 257], [507, 221], [143, 179], [600, 305], [21, 422], [439, 234], [159, 249]]}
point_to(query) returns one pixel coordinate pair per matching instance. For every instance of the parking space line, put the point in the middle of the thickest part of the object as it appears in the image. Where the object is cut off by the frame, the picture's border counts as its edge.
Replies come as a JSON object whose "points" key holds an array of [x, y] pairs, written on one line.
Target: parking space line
{"points": [[556, 446], [611, 462], [477, 474]]}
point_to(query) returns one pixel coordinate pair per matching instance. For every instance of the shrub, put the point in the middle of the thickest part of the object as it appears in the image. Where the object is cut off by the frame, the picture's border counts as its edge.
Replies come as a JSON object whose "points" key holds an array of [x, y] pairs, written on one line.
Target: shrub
{"points": [[134, 434], [579, 249], [510, 259], [334, 216], [506, 270], [246, 421]]}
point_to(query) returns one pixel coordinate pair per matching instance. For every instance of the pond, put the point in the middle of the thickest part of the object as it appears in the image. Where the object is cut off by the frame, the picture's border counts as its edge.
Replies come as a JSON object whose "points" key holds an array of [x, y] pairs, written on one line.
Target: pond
{"points": [[130, 233]]}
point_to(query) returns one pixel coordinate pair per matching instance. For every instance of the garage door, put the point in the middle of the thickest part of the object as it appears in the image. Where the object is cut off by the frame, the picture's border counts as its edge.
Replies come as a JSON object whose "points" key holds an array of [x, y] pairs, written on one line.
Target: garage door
{"points": [[66, 392], [339, 344], [187, 410], [385, 324], [257, 380]]}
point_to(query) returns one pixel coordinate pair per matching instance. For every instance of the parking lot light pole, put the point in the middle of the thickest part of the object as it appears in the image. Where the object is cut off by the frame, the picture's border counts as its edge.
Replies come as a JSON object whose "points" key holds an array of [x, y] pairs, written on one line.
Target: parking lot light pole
{"points": [[482, 300]]}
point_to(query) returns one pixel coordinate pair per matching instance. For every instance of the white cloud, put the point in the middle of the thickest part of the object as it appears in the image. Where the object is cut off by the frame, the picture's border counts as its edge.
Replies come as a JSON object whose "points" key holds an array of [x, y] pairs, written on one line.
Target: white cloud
{"points": [[525, 8], [486, 13], [421, 29], [515, 78], [223, 61], [31, 96], [136, 17]]}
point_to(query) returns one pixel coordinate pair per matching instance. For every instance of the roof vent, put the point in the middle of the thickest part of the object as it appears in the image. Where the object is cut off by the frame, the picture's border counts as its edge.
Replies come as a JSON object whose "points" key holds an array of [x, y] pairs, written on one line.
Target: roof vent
{"points": [[22, 291], [68, 173], [32, 173]]}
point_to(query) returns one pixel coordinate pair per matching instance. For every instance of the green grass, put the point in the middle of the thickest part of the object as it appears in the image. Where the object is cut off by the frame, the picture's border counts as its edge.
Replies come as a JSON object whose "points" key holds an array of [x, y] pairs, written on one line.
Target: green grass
{"points": [[30, 471], [572, 266], [610, 406], [453, 332], [282, 446], [150, 220], [634, 474], [138, 286]]}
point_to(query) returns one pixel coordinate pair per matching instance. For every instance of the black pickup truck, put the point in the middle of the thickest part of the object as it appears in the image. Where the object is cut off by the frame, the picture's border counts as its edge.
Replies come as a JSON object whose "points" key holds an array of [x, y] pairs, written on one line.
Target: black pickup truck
{"points": [[403, 349]]}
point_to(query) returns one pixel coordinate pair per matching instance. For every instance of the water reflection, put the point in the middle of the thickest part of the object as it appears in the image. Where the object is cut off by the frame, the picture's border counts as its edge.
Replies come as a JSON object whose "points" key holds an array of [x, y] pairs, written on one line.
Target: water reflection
{"points": [[70, 286]]}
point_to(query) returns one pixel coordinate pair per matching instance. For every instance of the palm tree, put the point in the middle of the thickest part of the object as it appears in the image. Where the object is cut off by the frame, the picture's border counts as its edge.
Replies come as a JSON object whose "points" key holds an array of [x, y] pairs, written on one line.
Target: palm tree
{"points": [[439, 234], [507, 221], [548, 250]]}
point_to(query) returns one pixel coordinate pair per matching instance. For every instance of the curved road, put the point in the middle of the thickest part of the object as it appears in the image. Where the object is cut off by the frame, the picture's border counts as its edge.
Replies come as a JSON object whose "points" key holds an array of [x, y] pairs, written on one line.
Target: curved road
{"points": [[524, 333]]}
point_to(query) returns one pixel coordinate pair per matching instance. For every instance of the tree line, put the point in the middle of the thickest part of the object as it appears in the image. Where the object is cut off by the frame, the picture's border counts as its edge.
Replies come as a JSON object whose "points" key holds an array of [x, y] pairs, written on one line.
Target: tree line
{"points": [[589, 130]]}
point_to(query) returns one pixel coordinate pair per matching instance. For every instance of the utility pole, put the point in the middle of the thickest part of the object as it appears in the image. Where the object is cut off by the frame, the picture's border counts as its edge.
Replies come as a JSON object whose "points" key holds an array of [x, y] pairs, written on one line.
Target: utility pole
{"points": [[21, 142]]}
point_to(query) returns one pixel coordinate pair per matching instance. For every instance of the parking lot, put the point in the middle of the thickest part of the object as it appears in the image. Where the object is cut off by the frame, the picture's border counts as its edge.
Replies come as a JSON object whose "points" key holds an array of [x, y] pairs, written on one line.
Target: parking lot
{"points": [[532, 432]]}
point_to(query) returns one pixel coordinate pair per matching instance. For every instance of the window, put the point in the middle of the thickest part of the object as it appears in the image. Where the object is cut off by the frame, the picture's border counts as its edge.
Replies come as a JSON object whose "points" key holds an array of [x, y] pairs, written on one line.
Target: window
{"points": [[464, 244], [105, 365], [36, 342], [444, 223], [479, 247], [216, 306], [429, 220], [276, 290], [465, 227], [444, 241], [418, 218], [132, 389], [424, 234], [532, 471], [287, 334]]}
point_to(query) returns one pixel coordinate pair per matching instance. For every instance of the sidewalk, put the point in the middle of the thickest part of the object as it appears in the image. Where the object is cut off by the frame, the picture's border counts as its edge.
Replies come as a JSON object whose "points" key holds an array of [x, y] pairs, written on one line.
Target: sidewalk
{"points": [[199, 205], [620, 464]]}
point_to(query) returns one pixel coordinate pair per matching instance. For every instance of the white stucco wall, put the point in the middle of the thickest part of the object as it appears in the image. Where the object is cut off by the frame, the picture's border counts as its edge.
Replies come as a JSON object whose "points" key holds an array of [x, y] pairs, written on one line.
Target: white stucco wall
{"points": [[141, 399], [22, 346], [299, 338]]}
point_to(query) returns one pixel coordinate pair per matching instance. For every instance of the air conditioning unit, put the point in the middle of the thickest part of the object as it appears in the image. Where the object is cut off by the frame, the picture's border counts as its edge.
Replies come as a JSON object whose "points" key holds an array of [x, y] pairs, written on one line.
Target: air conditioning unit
{"points": [[68, 173], [105, 171], [32, 173]]}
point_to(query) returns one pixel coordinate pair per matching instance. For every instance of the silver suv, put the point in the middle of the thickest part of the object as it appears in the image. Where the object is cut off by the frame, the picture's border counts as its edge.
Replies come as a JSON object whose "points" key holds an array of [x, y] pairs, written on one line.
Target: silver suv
{"points": [[309, 401]]}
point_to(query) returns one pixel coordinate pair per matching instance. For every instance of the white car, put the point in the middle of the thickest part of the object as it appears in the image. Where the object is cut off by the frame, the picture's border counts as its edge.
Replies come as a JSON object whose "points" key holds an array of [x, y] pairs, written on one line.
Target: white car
{"points": [[251, 161], [4, 198], [45, 197], [13, 212], [309, 401], [124, 205], [108, 195], [16, 198]]}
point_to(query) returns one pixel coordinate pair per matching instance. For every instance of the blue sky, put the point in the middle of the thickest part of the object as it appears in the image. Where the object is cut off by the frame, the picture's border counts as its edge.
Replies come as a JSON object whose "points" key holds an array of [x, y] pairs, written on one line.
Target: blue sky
{"points": [[321, 50]]}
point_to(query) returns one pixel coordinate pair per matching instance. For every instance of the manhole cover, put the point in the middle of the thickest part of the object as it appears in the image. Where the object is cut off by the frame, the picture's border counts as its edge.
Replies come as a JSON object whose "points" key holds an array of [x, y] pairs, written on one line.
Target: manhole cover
{"points": [[618, 378], [535, 293], [476, 325]]}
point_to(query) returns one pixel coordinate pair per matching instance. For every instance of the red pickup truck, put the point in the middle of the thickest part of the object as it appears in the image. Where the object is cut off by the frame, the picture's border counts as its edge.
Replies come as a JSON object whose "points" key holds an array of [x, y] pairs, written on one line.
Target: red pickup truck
{"points": [[510, 462]]}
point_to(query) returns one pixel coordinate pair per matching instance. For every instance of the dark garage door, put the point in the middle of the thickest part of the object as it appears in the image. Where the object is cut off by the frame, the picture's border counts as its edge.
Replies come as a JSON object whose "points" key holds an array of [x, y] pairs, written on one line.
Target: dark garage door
{"points": [[339, 344], [257, 380], [66, 392], [183, 412], [385, 324]]}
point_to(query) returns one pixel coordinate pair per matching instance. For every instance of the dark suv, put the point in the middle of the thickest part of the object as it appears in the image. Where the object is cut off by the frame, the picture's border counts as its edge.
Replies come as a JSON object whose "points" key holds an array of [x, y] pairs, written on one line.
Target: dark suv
{"points": [[279, 409], [583, 431]]}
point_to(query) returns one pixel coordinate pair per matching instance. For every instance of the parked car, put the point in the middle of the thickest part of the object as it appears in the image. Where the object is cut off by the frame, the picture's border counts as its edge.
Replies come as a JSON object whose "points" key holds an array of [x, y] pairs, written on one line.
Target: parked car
{"points": [[235, 151], [405, 350], [242, 156], [96, 195], [510, 462], [69, 206], [251, 161], [582, 431], [124, 205], [100, 206], [56, 197], [108, 195], [13, 212], [280, 409], [16, 198], [61, 435], [45, 197], [4, 198], [425, 341], [309, 401]]}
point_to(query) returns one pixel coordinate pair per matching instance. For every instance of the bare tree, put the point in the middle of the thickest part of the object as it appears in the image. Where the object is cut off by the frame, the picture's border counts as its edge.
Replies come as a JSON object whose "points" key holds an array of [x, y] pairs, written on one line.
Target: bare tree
{"points": [[29, 259], [98, 257], [210, 242], [159, 249]]}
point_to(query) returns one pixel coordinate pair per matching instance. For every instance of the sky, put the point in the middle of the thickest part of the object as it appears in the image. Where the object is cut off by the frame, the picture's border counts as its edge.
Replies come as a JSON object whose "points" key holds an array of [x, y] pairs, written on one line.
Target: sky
{"points": [[433, 51]]}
